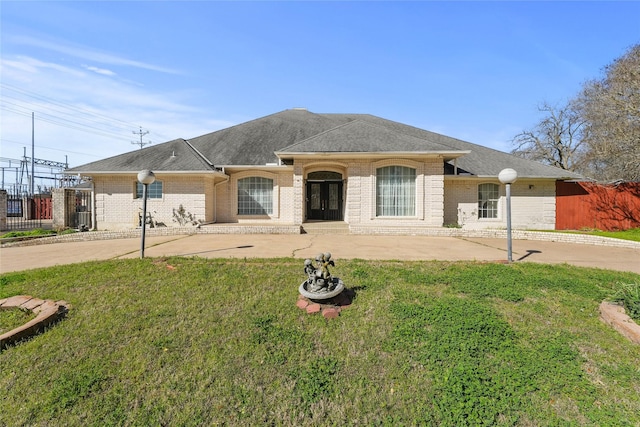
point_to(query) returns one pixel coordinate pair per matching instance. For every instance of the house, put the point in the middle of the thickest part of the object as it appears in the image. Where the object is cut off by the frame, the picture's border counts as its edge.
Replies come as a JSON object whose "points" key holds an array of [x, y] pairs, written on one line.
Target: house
{"points": [[296, 167]]}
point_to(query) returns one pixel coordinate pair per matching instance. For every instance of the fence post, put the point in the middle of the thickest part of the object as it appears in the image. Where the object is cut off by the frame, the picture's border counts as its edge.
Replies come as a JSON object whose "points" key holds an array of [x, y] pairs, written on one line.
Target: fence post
{"points": [[60, 215], [3, 210]]}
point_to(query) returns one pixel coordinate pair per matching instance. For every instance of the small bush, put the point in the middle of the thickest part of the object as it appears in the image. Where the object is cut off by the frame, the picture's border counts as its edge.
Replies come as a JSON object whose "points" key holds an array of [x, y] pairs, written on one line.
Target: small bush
{"points": [[30, 233], [629, 296], [182, 217]]}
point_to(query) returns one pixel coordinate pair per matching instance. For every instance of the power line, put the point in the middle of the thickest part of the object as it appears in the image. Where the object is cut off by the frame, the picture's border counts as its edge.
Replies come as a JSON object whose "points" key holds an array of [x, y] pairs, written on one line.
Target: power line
{"points": [[92, 117], [4, 140], [62, 115], [64, 105], [49, 118]]}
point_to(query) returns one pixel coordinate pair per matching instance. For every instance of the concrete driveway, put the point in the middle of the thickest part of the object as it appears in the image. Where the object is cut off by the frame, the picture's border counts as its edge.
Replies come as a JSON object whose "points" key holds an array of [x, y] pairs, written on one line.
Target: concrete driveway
{"points": [[302, 246]]}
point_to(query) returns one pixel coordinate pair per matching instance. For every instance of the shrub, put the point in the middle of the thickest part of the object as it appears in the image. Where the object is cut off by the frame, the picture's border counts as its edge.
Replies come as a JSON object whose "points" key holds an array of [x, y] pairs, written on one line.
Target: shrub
{"points": [[629, 296], [30, 233]]}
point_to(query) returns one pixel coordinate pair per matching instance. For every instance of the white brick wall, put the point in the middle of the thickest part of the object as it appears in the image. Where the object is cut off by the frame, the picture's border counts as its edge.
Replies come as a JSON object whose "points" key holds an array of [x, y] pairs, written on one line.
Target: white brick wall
{"points": [[440, 200], [533, 204], [360, 190], [226, 198], [118, 209]]}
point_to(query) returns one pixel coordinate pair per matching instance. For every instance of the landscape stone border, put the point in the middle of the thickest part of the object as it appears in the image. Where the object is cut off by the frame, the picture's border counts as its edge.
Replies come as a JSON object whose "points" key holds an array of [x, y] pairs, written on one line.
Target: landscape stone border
{"points": [[615, 316], [47, 312], [330, 308], [547, 236]]}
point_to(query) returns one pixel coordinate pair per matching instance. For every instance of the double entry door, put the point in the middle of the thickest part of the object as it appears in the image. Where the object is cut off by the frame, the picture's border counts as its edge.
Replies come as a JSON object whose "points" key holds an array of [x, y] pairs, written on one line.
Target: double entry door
{"points": [[324, 200]]}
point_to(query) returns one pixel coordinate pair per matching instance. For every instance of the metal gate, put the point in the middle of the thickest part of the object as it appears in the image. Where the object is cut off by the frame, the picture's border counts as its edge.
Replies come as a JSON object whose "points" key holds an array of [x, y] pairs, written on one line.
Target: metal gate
{"points": [[79, 214], [22, 214]]}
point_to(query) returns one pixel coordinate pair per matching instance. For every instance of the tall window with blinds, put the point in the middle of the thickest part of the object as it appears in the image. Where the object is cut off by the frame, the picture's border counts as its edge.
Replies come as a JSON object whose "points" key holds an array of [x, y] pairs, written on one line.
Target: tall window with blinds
{"points": [[396, 191]]}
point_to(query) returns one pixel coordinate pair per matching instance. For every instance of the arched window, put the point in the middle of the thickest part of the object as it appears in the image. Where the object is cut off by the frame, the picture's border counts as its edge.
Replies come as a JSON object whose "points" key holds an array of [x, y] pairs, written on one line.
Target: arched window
{"points": [[255, 196], [488, 195], [395, 191]]}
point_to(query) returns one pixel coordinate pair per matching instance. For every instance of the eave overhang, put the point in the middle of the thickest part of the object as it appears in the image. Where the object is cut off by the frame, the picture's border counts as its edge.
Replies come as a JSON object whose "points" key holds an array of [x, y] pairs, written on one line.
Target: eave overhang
{"points": [[520, 177], [213, 173], [270, 167], [446, 155]]}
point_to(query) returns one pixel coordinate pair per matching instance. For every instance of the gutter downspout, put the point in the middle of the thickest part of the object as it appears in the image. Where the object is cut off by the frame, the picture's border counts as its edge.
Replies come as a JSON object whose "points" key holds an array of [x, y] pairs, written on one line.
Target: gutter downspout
{"points": [[93, 206], [215, 202], [215, 197]]}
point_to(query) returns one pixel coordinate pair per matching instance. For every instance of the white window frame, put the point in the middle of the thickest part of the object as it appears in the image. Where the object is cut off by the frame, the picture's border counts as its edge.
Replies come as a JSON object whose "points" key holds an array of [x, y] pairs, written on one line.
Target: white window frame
{"points": [[154, 191], [488, 207], [262, 205], [390, 195]]}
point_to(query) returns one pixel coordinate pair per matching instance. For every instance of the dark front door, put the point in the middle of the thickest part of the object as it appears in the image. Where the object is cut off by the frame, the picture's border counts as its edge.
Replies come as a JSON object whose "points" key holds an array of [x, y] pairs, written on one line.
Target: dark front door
{"points": [[324, 200]]}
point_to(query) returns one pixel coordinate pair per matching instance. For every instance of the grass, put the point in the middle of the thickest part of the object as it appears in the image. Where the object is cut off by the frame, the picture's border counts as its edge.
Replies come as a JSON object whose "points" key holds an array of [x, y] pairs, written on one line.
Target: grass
{"points": [[631, 234], [188, 341], [36, 232], [628, 294], [11, 318]]}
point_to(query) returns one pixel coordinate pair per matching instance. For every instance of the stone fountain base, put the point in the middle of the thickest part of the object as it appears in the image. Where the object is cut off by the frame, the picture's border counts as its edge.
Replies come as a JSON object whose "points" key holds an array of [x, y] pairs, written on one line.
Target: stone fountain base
{"points": [[333, 290]]}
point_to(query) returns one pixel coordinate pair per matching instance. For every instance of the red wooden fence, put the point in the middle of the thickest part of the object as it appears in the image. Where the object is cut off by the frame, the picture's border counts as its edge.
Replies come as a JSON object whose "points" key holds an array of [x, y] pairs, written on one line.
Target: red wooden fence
{"points": [[582, 205], [41, 207]]}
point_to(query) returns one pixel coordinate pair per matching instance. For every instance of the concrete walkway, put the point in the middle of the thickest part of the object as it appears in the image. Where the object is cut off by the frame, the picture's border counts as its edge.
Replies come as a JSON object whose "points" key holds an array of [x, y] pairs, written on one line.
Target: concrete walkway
{"points": [[302, 246]]}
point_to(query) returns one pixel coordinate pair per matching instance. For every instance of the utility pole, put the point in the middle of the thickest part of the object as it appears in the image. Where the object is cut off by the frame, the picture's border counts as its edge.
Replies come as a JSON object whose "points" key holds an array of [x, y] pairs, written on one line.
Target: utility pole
{"points": [[141, 133], [33, 144]]}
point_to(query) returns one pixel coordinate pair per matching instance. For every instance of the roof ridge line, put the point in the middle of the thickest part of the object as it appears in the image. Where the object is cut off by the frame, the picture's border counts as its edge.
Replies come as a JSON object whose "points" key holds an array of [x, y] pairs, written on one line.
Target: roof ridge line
{"points": [[321, 133], [464, 141], [202, 156], [250, 121]]}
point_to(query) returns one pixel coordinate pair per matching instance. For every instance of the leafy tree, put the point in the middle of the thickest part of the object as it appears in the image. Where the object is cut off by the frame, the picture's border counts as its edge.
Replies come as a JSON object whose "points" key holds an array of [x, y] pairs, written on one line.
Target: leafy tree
{"points": [[610, 108], [596, 134], [556, 140]]}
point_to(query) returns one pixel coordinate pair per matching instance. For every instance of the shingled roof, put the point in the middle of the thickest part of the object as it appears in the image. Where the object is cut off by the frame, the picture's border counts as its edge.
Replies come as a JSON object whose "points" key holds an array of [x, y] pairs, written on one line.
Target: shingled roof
{"points": [[481, 161], [296, 131], [173, 156], [360, 136]]}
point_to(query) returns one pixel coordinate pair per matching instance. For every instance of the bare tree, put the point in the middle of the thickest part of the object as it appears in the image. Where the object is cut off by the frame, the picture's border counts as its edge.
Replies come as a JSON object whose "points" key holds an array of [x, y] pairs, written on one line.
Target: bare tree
{"points": [[610, 108], [556, 139]]}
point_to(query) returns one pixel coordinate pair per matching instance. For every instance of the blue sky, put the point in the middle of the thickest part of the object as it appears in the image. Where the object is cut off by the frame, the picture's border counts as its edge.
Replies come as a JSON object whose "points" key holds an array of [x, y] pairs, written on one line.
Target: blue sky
{"points": [[93, 72]]}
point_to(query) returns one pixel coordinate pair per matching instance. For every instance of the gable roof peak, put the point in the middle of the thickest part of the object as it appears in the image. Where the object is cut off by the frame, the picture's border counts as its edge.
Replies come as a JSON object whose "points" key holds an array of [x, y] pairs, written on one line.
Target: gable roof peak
{"points": [[363, 136]]}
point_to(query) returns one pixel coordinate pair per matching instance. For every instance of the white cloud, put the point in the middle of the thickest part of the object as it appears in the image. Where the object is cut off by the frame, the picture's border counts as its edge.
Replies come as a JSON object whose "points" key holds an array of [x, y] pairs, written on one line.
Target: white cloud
{"points": [[17, 67], [102, 71], [83, 114], [87, 53]]}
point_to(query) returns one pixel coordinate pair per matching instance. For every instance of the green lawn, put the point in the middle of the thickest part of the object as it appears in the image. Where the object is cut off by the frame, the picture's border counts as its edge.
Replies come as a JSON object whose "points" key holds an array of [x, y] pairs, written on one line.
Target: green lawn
{"points": [[12, 318], [631, 234], [188, 341]]}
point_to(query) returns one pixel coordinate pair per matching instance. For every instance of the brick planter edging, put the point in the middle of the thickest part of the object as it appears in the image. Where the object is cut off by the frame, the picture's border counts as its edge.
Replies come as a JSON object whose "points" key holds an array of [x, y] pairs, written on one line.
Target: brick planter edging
{"points": [[331, 308], [354, 229], [47, 312], [615, 316]]}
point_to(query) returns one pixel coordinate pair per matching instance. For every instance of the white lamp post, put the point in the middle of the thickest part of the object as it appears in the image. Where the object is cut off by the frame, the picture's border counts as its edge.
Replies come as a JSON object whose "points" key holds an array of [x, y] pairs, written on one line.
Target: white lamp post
{"points": [[145, 178], [508, 176]]}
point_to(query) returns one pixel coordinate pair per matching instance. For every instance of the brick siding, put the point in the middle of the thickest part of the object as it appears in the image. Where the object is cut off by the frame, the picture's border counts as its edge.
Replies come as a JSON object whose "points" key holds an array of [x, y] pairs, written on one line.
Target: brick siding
{"points": [[440, 200]]}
